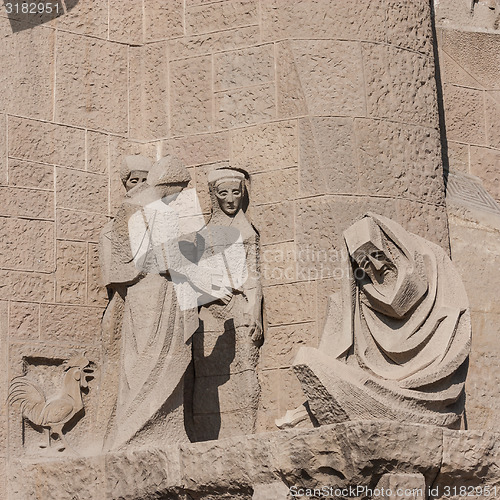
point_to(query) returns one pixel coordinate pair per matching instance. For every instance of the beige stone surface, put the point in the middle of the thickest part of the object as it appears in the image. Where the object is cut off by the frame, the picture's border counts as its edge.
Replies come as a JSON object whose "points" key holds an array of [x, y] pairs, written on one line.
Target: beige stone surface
{"points": [[191, 95], [23, 202], [190, 46], [46, 142], [299, 307], [31, 175], [464, 114], [219, 16], [245, 106], [97, 152], [27, 91], [148, 100], [79, 190], [485, 163], [96, 72], [3, 149], [87, 17], [400, 85], [125, 22], [27, 245], [163, 20], [83, 226], [28, 286], [24, 321], [71, 265], [64, 323], [492, 111]]}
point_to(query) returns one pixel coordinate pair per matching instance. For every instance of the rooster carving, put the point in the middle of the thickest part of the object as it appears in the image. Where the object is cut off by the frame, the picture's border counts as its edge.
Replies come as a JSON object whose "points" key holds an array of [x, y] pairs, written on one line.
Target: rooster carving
{"points": [[53, 413]]}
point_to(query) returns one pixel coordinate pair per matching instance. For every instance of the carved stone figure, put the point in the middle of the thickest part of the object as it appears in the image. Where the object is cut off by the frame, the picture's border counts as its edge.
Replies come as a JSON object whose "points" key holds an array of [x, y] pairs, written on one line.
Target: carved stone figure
{"points": [[226, 351], [133, 173], [53, 413], [395, 346], [160, 287]]}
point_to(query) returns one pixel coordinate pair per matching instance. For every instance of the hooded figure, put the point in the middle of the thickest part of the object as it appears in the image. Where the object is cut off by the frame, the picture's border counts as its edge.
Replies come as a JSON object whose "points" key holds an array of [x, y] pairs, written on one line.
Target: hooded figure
{"points": [[146, 267], [396, 345]]}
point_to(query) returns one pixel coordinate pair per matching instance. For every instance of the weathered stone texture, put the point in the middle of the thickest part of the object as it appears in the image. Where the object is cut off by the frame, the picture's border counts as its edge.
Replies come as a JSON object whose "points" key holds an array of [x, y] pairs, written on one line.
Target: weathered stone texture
{"points": [[21, 202], [190, 46], [86, 18], [163, 20], [71, 267], [485, 163], [220, 16], [24, 321], [400, 85], [245, 106], [27, 90], [3, 149], [83, 226], [91, 83], [31, 175], [123, 22], [464, 114], [45, 142], [492, 108], [299, 307], [27, 286], [191, 95], [97, 152], [148, 102], [331, 75], [244, 67], [27, 245], [62, 323]]}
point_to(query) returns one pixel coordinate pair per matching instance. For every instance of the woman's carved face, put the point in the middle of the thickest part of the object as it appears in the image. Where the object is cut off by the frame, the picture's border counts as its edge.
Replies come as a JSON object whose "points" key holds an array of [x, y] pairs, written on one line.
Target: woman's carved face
{"points": [[229, 194], [135, 178]]}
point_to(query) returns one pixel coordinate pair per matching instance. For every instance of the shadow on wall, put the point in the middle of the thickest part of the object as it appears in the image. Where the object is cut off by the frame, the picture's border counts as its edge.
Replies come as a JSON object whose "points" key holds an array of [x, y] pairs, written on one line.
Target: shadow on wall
{"points": [[25, 14]]}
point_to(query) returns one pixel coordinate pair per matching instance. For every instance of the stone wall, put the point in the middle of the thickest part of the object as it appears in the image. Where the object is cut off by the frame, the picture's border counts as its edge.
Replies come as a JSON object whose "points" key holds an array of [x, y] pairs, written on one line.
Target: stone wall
{"points": [[330, 106], [469, 60]]}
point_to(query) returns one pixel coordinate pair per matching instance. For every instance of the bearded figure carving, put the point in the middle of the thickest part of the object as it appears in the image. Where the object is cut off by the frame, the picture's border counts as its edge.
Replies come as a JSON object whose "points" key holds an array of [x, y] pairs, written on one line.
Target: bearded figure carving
{"points": [[396, 343]]}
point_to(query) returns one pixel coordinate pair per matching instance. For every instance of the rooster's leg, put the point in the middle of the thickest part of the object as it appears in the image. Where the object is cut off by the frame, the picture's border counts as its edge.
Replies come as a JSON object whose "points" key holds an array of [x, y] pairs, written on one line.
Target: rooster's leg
{"points": [[47, 433]]}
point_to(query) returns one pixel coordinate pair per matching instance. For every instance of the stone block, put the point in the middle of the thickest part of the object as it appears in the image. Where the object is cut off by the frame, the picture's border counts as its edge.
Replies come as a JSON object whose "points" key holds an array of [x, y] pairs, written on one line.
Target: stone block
{"points": [[84, 475], [190, 46], [24, 321], [299, 306], [126, 22], [464, 114], [283, 342], [91, 86], [275, 222], [81, 226], [86, 18], [235, 108], [477, 54], [492, 103], [290, 94], [269, 391], [78, 190], [71, 272], [331, 76], [29, 286], [291, 395], [220, 16], [96, 294], [426, 220], [23, 202], [163, 20], [280, 185], [400, 85], [148, 102], [452, 72], [278, 264], [27, 245], [261, 148], [97, 152], [408, 24], [70, 323], [46, 143], [191, 95], [319, 19], [399, 160], [327, 156], [485, 163], [199, 149], [458, 156], [28, 89], [3, 149], [244, 67], [31, 175]]}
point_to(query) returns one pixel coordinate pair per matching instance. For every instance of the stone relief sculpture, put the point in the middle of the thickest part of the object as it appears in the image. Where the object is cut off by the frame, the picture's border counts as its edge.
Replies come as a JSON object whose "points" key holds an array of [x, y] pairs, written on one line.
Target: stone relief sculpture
{"points": [[160, 288], [395, 346], [53, 413], [133, 173], [226, 351]]}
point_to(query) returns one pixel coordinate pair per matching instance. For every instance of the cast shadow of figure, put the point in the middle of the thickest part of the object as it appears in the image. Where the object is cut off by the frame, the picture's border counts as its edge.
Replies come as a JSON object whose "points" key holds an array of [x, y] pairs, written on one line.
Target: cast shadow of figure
{"points": [[25, 14], [203, 413]]}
